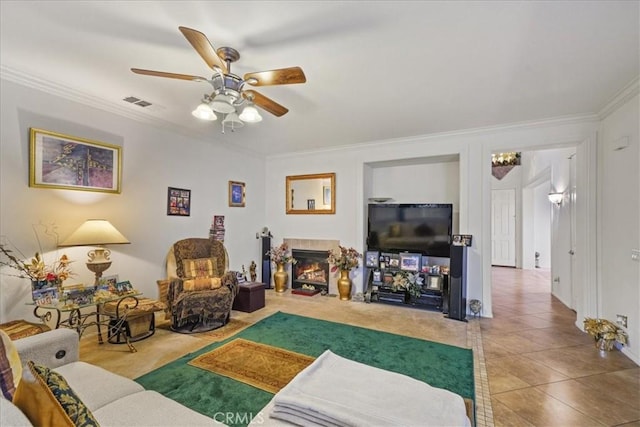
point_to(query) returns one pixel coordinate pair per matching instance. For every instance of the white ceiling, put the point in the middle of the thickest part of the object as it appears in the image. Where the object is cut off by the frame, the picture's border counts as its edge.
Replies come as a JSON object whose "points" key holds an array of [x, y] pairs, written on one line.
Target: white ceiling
{"points": [[375, 70]]}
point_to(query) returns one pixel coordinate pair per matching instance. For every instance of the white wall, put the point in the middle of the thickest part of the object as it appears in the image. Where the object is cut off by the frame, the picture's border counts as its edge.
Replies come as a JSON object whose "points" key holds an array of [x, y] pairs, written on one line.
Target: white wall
{"points": [[619, 213], [354, 181], [542, 226], [153, 160]]}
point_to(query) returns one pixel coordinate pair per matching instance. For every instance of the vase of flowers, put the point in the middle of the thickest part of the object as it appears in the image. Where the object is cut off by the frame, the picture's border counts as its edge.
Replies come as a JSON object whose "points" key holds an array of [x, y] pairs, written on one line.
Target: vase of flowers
{"points": [[344, 260], [280, 256], [46, 280], [410, 283], [605, 333]]}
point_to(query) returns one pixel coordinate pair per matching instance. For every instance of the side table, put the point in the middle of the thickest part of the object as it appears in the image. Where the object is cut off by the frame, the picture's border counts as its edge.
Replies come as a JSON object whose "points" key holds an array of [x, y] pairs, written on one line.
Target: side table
{"points": [[79, 319], [250, 297]]}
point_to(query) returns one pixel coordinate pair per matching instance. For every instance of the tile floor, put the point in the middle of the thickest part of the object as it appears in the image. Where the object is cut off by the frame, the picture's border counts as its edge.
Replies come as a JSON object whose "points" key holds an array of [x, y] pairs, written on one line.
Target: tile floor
{"points": [[532, 365], [542, 370]]}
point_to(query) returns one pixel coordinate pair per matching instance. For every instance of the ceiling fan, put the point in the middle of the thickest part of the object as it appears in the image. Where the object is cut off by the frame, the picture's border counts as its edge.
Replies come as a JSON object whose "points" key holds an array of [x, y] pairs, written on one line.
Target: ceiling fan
{"points": [[229, 95]]}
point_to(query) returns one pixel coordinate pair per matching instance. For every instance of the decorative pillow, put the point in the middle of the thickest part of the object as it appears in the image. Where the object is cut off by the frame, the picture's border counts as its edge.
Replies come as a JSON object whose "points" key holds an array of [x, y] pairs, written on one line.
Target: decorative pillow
{"points": [[10, 366], [200, 267], [47, 400], [201, 284]]}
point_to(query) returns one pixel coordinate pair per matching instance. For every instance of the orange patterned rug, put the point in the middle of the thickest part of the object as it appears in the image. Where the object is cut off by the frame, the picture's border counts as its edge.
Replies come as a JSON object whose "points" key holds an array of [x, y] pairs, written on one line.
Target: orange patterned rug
{"points": [[260, 365], [216, 335]]}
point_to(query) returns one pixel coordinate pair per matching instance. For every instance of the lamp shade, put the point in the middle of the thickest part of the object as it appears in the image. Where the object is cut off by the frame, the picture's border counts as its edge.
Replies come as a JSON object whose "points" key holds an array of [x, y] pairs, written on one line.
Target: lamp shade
{"points": [[232, 120], [250, 115], [204, 112], [95, 232]]}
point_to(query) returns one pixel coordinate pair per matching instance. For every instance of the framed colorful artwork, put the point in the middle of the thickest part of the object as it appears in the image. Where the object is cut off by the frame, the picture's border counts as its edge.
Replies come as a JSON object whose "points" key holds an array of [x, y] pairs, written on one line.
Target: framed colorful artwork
{"points": [[236, 194], [70, 163], [178, 202]]}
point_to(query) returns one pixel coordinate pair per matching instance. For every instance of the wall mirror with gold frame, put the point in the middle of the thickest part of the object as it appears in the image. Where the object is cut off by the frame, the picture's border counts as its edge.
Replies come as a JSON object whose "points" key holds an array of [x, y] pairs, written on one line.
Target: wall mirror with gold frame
{"points": [[311, 194]]}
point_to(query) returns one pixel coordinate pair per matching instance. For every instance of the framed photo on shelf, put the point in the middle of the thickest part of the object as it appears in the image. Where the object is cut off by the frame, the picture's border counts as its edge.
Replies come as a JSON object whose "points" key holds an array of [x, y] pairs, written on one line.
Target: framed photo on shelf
{"points": [[72, 163], [108, 283], [410, 262], [434, 283], [236, 194], [377, 276], [178, 202], [125, 287], [372, 258], [462, 240]]}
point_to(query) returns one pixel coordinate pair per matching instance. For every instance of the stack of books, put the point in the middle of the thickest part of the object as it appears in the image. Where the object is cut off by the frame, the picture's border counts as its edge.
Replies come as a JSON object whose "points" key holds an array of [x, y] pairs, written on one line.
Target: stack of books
{"points": [[217, 228]]}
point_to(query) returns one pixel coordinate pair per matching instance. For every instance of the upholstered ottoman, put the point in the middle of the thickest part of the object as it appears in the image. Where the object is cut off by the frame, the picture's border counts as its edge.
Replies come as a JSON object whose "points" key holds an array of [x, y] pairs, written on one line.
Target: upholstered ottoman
{"points": [[250, 297], [138, 324]]}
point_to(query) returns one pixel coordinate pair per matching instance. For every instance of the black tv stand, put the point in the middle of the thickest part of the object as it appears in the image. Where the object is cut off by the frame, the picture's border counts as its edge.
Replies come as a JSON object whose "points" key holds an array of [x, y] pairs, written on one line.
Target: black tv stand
{"points": [[379, 288]]}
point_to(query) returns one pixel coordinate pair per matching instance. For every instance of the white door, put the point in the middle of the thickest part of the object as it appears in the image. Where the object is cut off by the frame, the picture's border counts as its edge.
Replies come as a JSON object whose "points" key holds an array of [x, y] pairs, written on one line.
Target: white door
{"points": [[503, 227]]}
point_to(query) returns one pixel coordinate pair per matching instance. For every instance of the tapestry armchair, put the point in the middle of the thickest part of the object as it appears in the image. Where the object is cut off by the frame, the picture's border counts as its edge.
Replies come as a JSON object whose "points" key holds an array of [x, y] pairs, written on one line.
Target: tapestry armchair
{"points": [[199, 289]]}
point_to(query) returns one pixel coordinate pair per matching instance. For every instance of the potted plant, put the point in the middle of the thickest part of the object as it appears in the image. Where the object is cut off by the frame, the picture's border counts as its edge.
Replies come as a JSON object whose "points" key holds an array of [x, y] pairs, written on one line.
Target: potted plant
{"points": [[605, 333], [280, 256], [345, 259]]}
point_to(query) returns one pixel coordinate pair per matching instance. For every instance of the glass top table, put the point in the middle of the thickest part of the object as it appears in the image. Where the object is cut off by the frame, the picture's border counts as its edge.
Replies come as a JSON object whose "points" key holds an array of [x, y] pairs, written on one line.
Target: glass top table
{"points": [[82, 315]]}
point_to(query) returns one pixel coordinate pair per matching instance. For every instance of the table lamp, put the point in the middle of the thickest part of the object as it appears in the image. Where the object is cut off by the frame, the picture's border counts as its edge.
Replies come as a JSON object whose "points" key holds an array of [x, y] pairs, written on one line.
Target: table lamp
{"points": [[96, 232]]}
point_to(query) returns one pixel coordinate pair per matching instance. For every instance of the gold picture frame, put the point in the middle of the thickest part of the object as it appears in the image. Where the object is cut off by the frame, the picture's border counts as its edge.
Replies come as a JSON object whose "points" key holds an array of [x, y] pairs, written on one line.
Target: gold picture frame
{"points": [[236, 194], [59, 161]]}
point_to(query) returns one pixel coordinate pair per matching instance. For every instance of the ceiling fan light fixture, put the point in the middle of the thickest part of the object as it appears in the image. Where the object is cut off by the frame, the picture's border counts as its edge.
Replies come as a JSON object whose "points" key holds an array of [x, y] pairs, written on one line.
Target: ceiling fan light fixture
{"points": [[250, 115], [233, 121], [204, 112], [223, 104]]}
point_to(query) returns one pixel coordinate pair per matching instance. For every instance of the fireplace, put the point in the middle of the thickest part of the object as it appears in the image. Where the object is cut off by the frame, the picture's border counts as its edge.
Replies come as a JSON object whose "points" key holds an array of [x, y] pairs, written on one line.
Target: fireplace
{"points": [[311, 272]]}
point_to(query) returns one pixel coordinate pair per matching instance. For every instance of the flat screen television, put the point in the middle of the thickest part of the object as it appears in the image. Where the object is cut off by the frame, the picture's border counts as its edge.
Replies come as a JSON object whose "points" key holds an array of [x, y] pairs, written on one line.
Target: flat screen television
{"points": [[420, 228]]}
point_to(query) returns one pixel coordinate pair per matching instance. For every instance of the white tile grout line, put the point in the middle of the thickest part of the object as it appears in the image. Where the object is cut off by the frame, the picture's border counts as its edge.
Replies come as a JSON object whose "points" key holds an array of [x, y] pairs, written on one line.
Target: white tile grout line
{"points": [[484, 411]]}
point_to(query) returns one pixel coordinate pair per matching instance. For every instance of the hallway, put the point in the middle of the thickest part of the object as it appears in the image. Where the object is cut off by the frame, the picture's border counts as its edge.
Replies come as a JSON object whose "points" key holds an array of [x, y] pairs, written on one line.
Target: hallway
{"points": [[542, 369]]}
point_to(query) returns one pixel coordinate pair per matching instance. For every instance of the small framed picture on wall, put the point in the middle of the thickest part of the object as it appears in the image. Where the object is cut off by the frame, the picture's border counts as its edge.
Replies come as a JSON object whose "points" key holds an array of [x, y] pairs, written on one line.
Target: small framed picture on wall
{"points": [[178, 202], [236, 194]]}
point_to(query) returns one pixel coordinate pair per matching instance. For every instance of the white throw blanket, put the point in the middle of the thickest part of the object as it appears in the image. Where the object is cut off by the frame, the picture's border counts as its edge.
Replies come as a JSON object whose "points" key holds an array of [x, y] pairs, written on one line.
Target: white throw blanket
{"points": [[334, 391]]}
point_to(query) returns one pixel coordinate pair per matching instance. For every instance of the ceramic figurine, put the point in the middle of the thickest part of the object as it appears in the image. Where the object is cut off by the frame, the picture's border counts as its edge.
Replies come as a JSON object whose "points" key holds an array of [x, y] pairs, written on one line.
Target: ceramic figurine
{"points": [[252, 271]]}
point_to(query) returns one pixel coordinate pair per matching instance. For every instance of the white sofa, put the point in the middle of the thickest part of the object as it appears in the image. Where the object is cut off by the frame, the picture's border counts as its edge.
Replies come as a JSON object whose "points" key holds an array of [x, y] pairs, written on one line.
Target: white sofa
{"points": [[114, 400]]}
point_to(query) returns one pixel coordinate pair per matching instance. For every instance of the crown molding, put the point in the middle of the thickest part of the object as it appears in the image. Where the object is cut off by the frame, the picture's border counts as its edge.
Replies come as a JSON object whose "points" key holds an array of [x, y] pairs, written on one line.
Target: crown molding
{"points": [[65, 92], [71, 94], [479, 131], [620, 98]]}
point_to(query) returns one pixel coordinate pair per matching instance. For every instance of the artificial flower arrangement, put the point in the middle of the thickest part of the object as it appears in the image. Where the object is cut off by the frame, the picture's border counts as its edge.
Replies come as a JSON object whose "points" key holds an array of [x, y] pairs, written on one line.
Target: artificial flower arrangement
{"points": [[35, 269], [46, 279], [281, 255], [605, 333], [409, 282], [345, 259]]}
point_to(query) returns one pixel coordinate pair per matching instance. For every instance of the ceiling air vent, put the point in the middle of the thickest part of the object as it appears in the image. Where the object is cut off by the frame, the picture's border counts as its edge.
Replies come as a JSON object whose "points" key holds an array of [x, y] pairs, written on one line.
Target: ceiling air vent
{"points": [[137, 101]]}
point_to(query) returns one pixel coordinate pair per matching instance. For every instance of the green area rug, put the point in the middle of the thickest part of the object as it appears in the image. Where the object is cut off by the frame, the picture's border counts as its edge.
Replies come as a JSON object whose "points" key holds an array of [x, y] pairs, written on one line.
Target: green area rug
{"points": [[236, 403]]}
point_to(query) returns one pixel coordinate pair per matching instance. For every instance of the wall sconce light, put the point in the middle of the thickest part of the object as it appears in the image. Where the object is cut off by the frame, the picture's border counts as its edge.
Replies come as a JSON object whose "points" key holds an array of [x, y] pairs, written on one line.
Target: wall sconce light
{"points": [[556, 198]]}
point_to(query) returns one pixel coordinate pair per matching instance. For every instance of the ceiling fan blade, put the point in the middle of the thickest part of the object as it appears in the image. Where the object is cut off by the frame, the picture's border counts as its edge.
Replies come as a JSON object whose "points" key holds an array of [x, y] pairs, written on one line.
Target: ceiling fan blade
{"points": [[283, 76], [265, 103], [201, 44], [169, 75]]}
